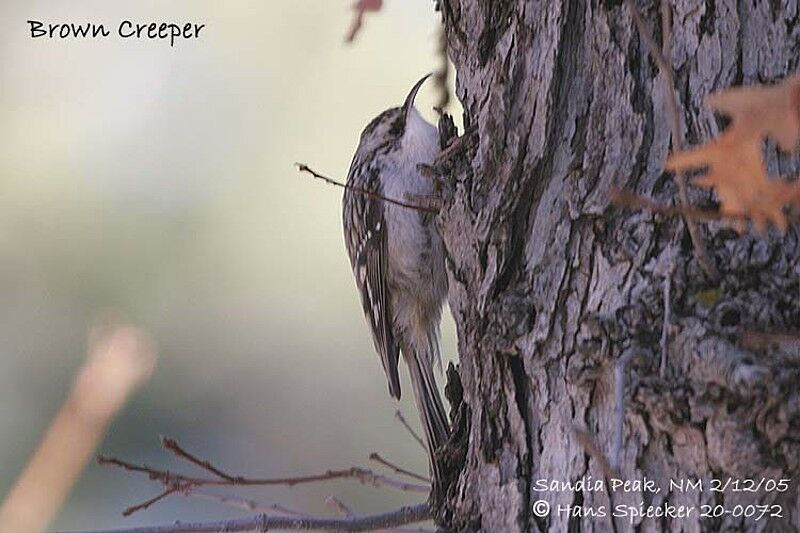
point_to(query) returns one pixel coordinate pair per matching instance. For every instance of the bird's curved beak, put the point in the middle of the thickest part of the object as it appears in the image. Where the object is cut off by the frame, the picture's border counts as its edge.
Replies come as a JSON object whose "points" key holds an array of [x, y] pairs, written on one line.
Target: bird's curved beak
{"points": [[408, 105]]}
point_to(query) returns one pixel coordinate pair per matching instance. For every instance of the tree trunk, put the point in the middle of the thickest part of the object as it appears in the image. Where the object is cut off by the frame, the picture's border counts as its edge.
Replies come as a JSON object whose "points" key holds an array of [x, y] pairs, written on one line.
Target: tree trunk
{"points": [[552, 288]]}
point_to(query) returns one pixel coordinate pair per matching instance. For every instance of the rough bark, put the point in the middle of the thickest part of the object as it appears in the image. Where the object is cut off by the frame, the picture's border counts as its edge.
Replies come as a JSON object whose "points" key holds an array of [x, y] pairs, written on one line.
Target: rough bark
{"points": [[550, 285]]}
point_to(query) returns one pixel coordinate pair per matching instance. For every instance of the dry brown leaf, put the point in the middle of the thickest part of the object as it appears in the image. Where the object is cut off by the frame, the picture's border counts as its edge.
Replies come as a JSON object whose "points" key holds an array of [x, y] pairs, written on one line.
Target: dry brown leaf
{"points": [[360, 8], [763, 111], [735, 164], [737, 173]]}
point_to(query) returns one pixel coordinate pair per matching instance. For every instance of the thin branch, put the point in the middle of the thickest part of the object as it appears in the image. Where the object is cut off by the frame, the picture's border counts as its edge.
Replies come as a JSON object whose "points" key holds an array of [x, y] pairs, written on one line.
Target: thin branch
{"points": [[242, 503], [590, 446], [364, 475], [414, 434], [337, 505], [263, 522], [619, 406], [627, 199], [152, 501], [675, 121], [666, 32], [173, 446], [121, 357], [657, 55], [253, 506], [175, 483], [397, 469], [344, 510], [302, 167], [667, 317]]}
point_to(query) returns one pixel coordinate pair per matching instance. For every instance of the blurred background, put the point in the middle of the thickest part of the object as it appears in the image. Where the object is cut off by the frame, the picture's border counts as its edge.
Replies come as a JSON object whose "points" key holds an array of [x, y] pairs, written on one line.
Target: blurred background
{"points": [[159, 181]]}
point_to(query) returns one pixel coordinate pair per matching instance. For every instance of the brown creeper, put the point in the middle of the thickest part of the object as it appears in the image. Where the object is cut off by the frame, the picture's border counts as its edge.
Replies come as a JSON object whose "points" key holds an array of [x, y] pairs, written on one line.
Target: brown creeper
{"points": [[398, 257]]}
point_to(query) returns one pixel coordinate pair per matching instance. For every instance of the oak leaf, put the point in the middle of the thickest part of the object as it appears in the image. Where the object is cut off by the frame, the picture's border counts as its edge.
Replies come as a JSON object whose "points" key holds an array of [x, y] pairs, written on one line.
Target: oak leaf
{"points": [[763, 111], [359, 9], [734, 162]]}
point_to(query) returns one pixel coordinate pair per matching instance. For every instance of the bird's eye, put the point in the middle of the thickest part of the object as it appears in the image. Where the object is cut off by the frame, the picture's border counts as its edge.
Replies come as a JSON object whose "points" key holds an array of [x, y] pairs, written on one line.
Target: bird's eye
{"points": [[396, 128]]}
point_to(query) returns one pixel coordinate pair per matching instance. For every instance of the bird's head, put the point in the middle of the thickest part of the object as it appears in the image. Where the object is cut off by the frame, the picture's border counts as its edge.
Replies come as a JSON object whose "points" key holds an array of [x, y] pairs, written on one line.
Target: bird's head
{"points": [[391, 125]]}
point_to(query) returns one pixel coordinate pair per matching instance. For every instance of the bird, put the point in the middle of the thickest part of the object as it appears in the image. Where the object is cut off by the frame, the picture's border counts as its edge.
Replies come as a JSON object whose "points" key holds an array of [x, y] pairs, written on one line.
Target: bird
{"points": [[397, 256]]}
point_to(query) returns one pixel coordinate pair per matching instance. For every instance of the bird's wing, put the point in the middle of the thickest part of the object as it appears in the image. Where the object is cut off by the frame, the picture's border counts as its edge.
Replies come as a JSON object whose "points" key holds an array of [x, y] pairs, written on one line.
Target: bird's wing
{"points": [[367, 246]]}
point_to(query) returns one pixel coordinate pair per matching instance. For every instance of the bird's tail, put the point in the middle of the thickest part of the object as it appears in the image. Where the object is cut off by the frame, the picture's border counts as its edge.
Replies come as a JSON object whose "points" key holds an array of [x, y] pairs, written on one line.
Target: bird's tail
{"points": [[429, 404]]}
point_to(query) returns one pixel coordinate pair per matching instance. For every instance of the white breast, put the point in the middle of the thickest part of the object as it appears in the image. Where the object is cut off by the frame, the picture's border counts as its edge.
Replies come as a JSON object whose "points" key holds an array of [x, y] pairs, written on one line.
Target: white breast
{"points": [[410, 238]]}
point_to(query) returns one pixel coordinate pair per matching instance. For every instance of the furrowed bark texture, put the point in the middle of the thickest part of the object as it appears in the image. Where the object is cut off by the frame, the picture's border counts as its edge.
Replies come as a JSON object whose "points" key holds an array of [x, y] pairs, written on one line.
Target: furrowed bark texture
{"points": [[550, 285]]}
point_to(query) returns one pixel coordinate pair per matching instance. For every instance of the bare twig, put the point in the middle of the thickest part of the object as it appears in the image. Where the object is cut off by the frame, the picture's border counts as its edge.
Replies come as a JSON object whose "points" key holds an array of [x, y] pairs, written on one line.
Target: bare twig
{"points": [[364, 475], [337, 505], [244, 504], [414, 434], [249, 505], [587, 442], [358, 190], [120, 358], [619, 405], [175, 483], [173, 446], [152, 501], [263, 522], [627, 199], [397, 469], [667, 318], [660, 57]]}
